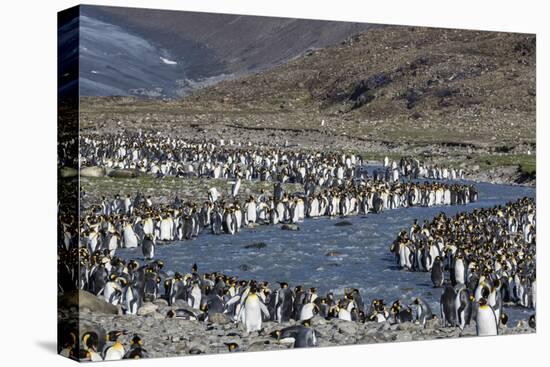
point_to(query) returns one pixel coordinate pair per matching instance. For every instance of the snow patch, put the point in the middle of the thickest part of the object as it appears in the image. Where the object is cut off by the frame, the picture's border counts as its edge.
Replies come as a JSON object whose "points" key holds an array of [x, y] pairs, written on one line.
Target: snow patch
{"points": [[168, 62]]}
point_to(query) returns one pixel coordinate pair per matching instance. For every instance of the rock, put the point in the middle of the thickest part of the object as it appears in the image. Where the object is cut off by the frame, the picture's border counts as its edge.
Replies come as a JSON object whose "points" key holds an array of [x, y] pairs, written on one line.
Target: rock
{"points": [[219, 318], [158, 316], [244, 267], [122, 173], [432, 324], [290, 227], [349, 328], [92, 172], [161, 302], [318, 320], [258, 346], [83, 299], [405, 326], [343, 223], [522, 324], [147, 308], [68, 172], [403, 337], [257, 245]]}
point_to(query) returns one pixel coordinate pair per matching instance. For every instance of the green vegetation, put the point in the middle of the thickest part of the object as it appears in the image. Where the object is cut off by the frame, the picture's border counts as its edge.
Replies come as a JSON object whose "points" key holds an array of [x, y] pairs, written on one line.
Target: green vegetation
{"points": [[525, 162]]}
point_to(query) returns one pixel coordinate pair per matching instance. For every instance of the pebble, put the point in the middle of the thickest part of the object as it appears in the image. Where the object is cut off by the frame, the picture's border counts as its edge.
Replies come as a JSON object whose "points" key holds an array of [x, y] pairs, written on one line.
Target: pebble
{"points": [[171, 337]]}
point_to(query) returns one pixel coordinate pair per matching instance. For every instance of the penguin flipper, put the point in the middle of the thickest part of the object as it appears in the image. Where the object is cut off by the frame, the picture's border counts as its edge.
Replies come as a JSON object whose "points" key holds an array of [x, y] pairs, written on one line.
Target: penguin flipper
{"points": [[264, 309], [236, 298]]}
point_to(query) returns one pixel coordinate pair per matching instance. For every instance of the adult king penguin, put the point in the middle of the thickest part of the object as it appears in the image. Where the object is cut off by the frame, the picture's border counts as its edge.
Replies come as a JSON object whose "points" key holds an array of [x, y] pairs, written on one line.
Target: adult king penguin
{"points": [[251, 312], [486, 320]]}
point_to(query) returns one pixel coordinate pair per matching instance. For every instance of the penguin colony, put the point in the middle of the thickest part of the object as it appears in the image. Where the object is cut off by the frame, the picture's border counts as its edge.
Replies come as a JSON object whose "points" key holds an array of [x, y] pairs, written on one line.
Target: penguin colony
{"points": [[161, 156], [483, 259], [133, 222], [201, 297], [489, 254]]}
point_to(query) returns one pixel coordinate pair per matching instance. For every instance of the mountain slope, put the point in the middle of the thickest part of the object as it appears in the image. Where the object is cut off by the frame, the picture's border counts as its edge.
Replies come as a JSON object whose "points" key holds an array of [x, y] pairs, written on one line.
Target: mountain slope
{"points": [[159, 53], [409, 76], [395, 86]]}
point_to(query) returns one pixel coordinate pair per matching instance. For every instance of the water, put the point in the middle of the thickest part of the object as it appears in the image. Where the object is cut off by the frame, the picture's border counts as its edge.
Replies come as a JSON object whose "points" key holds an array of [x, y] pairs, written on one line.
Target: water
{"points": [[362, 260]]}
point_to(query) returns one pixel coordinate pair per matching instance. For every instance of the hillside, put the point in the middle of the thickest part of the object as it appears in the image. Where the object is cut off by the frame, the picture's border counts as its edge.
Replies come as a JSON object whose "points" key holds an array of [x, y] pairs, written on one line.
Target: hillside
{"points": [[168, 54], [465, 97], [403, 83]]}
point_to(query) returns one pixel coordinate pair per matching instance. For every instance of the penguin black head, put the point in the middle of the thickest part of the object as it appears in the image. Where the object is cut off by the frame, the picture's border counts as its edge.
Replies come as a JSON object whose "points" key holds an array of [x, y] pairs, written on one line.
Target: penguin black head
{"points": [[114, 335], [194, 268], [503, 318], [482, 301], [232, 347], [275, 334], [91, 340], [133, 265], [533, 321], [396, 307], [485, 292], [136, 340]]}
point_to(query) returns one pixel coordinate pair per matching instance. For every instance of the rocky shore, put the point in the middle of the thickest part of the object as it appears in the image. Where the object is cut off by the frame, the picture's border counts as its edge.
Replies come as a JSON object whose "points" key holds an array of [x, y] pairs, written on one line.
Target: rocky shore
{"points": [[164, 337]]}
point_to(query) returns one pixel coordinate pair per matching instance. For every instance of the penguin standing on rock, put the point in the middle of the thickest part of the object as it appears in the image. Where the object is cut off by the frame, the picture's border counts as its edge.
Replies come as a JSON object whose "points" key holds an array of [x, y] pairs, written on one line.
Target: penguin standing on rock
{"points": [[251, 312], [463, 306], [486, 320], [283, 303], [423, 311], [447, 304], [437, 273]]}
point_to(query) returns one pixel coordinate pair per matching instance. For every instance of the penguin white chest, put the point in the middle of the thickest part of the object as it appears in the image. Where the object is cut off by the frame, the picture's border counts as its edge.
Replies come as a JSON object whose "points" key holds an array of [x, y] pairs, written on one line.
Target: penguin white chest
{"points": [[252, 314], [486, 321]]}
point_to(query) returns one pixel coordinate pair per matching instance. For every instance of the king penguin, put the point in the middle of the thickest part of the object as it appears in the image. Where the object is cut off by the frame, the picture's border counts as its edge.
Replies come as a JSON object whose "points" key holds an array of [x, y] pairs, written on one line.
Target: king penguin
{"points": [[447, 304], [251, 312], [148, 247], [437, 273], [486, 320]]}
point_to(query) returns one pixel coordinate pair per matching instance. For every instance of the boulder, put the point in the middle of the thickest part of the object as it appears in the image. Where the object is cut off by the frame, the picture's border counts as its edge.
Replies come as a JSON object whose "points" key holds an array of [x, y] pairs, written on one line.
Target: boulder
{"points": [[290, 227], [219, 318], [122, 173], [83, 300], [68, 172], [93, 171], [147, 308], [343, 223], [256, 245]]}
